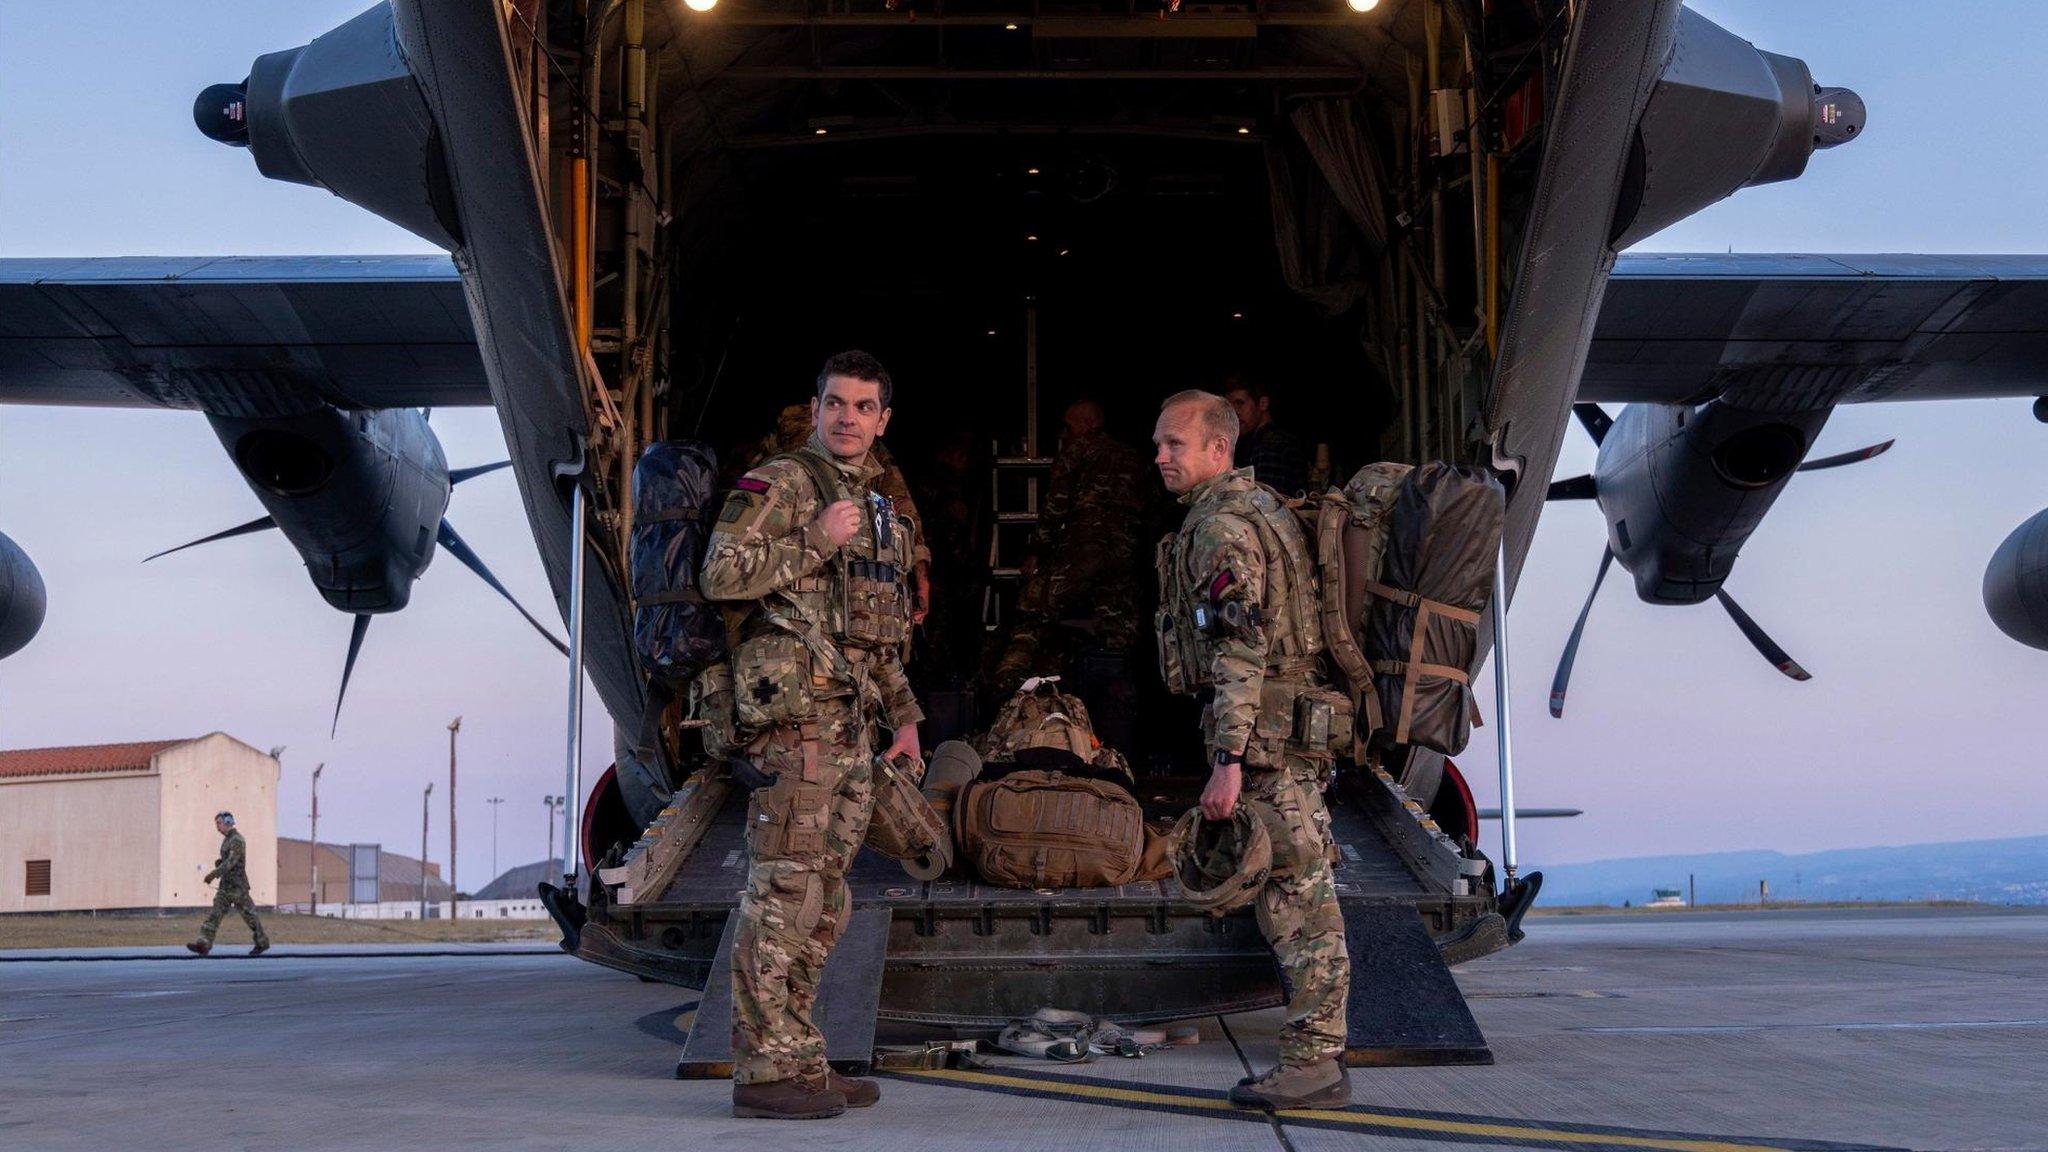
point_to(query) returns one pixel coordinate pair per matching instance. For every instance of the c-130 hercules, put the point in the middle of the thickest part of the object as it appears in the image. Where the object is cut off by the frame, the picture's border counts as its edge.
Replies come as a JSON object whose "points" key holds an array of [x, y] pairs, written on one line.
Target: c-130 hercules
{"points": [[1423, 201]]}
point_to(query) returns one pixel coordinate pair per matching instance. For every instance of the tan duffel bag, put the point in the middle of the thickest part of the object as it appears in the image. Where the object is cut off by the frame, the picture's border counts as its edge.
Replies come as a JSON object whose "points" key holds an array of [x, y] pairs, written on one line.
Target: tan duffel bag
{"points": [[1039, 828]]}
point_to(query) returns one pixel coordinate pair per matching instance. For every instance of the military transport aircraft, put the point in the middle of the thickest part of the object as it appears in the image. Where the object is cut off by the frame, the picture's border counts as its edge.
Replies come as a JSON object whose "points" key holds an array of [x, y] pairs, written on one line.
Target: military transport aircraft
{"points": [[1419, 201]]}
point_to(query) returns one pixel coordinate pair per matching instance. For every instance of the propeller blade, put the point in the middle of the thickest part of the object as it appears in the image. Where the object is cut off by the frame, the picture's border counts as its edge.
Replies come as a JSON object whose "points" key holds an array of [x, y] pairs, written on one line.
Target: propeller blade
{"points": [[1763, 643], [1836, 461], [460, 549], [260, 524], [458, 475], [355, 646], [1596, 420], [1572, 488], [1571, 646]]}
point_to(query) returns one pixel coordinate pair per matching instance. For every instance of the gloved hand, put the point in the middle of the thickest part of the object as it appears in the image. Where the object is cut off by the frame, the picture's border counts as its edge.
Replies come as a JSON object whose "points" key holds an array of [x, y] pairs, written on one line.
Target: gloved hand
{"points": [[209, 878], [748, 775]]}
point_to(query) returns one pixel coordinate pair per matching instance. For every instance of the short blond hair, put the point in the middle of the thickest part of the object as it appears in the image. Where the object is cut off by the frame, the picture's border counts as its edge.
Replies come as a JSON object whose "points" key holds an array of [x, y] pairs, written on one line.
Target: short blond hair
{"points": [[1218, 417]]}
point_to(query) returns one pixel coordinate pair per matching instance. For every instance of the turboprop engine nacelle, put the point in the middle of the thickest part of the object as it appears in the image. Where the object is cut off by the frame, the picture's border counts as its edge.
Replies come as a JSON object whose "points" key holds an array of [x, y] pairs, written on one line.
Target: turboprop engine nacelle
{"points": [[1683, 488], [2016, 583], [344, 113], [359, 494], [1724, 115], [22, 598]]}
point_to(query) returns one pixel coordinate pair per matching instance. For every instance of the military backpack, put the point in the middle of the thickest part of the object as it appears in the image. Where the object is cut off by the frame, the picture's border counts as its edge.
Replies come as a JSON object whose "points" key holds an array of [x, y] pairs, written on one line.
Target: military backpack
{"points": [[676, 633]]}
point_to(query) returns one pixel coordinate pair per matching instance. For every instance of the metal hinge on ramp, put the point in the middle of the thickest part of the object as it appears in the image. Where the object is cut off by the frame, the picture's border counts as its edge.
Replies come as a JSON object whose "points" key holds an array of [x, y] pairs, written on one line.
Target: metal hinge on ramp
{"points": [[848, 999], [1404, 1009]]}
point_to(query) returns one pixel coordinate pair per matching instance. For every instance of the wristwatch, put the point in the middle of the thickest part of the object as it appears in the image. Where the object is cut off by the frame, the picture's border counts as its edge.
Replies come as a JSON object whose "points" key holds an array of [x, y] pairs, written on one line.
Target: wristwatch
{"points": [[1224, 759]]}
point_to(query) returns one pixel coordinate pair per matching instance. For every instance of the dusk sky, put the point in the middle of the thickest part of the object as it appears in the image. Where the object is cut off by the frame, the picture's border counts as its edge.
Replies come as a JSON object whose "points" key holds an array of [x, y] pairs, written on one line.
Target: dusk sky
{"points": [[1922, 721]]}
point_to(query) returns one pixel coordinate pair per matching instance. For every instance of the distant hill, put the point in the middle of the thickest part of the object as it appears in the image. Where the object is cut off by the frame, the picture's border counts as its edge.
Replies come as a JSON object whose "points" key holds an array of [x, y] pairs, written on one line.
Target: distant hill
{"points": [[521, 882], [1992, 871]]}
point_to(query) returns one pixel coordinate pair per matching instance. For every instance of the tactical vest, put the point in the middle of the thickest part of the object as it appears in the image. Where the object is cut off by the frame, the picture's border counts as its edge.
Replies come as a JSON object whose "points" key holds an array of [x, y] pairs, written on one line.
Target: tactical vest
{"points": [[811, 638], [862, 594], [1187, 636]]}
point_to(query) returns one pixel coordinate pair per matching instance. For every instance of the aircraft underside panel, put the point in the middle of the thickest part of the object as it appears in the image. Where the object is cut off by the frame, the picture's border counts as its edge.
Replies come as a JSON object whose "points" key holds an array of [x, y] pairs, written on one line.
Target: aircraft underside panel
{"points": [[1619, 48], [514, 286]]}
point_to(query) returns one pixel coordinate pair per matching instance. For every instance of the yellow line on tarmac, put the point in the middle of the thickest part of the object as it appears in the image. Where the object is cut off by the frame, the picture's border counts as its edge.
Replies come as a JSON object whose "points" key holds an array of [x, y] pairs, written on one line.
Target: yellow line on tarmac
{"points": [[1108, 1095]]}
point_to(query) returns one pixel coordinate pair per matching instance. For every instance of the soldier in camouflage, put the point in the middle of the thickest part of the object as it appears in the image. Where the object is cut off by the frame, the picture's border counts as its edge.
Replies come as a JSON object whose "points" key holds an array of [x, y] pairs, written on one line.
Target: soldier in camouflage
{"points": [[1237, 626], [823, 560], [1081, 568], [232, 870], [793, 431]]}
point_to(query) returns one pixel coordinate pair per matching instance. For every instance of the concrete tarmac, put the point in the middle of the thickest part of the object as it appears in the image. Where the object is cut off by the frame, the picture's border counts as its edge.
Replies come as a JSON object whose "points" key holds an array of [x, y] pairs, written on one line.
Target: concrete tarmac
{"points": [[1687, 1033]]}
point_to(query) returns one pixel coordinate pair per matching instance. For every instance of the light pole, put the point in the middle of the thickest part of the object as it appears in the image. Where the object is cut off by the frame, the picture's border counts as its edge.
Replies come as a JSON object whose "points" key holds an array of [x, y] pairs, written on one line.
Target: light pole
{"points": [[313, 852], [454, 893], [423, 849], [494, 802]]}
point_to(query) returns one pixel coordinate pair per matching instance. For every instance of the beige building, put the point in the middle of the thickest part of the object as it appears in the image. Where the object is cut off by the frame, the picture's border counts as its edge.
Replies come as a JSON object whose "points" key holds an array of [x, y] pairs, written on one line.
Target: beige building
{"points": [[398, 877], [104, 826]]}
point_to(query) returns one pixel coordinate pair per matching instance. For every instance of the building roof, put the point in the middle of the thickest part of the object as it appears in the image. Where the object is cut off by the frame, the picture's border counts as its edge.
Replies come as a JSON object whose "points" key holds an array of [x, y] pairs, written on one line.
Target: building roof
{"points": [[397, 874], [521, 882], [80, 759]]}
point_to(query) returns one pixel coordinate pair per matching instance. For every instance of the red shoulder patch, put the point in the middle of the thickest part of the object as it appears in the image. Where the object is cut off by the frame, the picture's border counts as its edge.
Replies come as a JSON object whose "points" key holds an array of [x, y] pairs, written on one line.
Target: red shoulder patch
{"points": [[751, 484], [1224, 580]]}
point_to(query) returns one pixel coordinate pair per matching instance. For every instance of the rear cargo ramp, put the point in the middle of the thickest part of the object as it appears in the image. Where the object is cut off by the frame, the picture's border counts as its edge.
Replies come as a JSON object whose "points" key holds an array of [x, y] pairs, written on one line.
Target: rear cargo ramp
{"points": [[955, 954]]}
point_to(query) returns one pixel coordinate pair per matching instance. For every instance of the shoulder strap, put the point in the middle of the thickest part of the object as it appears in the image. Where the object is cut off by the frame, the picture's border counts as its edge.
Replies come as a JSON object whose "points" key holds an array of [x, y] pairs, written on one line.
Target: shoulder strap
{"points": [[820, 472]]}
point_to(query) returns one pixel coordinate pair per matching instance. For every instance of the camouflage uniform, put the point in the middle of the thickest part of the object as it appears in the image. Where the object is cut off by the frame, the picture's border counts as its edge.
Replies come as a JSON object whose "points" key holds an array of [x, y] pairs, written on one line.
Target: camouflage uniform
{"points": [[793, 431], [1241, 565], [1086, 544], [819, 663], [233, 873]]}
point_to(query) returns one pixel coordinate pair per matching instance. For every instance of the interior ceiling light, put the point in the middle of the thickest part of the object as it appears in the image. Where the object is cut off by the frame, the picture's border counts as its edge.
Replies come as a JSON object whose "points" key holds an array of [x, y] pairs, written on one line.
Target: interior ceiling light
{"points": [[991, 331], [1011, 27], [1363, 5], [1237, 315], [1031, 171], [1031, 236], [708, 5], [1064, 251], [1243, 131]]}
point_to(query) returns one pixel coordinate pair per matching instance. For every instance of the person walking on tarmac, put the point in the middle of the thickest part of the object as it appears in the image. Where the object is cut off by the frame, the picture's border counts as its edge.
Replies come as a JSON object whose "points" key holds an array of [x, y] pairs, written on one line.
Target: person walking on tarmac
{"points": [[823, 561], [1238, 626], [232, 870]]}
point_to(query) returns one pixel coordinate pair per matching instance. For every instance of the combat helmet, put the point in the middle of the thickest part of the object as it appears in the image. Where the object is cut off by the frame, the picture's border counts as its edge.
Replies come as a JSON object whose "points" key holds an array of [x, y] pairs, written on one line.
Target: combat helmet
{"points": [[904, 826], [1221, 865]]}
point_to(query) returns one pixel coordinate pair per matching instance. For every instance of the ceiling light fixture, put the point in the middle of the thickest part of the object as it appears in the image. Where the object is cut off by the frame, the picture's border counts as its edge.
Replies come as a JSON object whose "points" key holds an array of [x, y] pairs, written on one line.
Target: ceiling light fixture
{"points": [[701, 5], [1011, 27], [1363, 5]]}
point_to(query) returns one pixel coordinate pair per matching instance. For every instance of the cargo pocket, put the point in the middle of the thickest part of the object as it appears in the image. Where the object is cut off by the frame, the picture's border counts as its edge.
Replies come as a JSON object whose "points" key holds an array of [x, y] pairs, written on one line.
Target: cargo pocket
{"points": [[787, 819], [786, 900]]}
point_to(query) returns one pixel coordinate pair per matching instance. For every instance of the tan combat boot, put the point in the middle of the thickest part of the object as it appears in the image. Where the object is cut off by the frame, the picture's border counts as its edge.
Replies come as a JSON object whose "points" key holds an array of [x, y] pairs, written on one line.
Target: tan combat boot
{"points": [[799, 1099], [1324, 1084], [858, 1093], [202, 946]]}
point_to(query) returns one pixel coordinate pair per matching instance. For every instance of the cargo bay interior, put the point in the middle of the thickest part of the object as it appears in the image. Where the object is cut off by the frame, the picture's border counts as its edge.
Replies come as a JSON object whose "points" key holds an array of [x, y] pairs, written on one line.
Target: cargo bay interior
{"points": [[1018, 205]]}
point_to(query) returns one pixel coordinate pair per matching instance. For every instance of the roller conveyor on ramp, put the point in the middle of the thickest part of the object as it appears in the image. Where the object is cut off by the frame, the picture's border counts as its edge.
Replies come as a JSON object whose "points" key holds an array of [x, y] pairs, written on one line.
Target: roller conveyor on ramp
{"points": [[957, 957]]}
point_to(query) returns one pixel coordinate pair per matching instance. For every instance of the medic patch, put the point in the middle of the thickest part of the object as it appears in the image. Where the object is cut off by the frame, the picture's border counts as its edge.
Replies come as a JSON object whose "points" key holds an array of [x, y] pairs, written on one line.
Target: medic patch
{"points": [[752, 484]]}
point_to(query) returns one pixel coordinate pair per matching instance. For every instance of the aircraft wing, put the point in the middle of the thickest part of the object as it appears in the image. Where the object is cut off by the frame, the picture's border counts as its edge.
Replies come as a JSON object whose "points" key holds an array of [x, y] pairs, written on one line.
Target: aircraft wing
{"points": [[215, 333], [1683, 328]]}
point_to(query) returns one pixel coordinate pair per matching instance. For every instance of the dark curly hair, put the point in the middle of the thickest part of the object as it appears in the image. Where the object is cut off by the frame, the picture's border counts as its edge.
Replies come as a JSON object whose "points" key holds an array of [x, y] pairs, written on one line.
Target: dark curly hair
{"points": [[860, 366]]}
